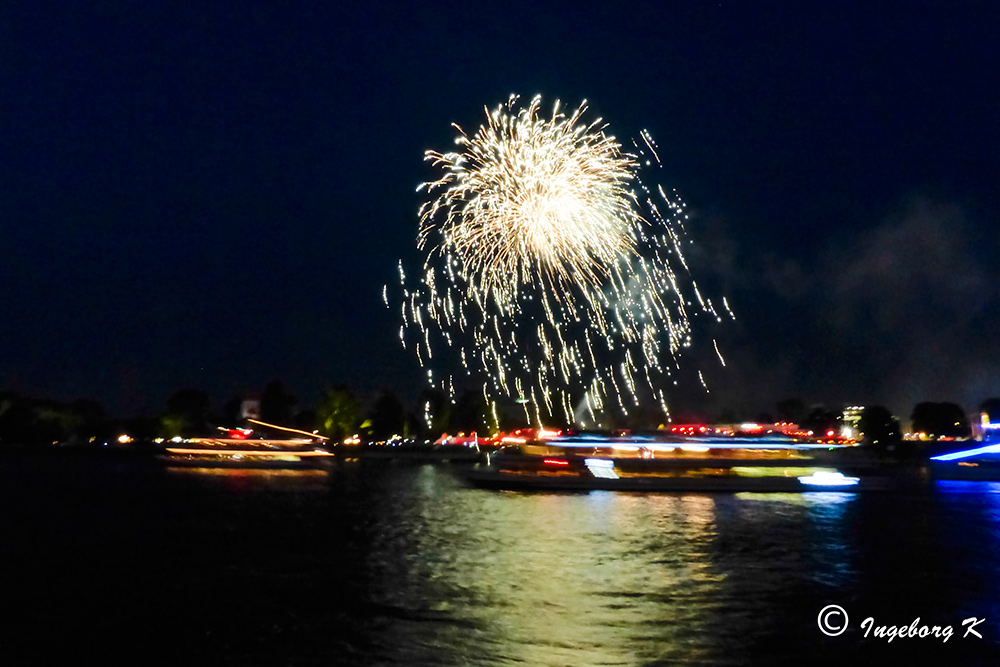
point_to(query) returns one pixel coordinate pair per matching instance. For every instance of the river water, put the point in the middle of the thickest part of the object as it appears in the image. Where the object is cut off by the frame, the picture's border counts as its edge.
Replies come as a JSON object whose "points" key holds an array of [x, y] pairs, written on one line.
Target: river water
{"points": [[391, 564]]}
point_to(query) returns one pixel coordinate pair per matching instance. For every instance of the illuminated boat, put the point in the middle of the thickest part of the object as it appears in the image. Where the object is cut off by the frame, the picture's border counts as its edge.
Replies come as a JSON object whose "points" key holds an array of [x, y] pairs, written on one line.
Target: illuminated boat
{"points": [[247, 448], [981, 463], [593, 462]]}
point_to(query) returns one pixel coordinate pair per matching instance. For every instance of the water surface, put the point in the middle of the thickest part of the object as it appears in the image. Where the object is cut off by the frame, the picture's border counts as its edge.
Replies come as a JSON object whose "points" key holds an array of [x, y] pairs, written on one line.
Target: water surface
{"points": [[407, 565]]}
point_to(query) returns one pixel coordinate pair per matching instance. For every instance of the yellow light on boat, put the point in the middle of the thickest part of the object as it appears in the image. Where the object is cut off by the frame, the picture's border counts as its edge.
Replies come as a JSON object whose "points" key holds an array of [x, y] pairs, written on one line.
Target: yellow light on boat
{"points": [[285, 428], [124, 438], [801, 472], [246, 452]]}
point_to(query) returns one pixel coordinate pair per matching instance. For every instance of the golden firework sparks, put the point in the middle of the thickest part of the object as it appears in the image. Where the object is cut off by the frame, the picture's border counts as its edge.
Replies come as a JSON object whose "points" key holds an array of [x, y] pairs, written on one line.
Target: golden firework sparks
{"points": [[549, 265]]}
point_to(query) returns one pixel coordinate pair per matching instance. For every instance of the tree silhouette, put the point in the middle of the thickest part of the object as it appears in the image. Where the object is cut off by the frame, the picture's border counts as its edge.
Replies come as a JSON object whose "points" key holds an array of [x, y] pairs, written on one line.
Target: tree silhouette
{"points": [[941, 420], [821, 421], [90, 419], [388, 416], [187, 413], [338, 413], [37, 421], [791, 410], [231, 411], [277, 404], [470, 413], [435, 403], [879, 428], [17, 423]]}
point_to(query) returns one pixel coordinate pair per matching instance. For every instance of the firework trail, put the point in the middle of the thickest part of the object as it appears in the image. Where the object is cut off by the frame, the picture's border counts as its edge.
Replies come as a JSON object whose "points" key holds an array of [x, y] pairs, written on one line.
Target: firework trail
{"points": [[551, 271]]}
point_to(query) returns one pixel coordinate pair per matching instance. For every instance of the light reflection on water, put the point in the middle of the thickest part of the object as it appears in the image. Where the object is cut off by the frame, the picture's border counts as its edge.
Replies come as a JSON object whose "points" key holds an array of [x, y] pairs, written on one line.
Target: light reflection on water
{"points": [[598, 578], [287, 479], [406, 565]]}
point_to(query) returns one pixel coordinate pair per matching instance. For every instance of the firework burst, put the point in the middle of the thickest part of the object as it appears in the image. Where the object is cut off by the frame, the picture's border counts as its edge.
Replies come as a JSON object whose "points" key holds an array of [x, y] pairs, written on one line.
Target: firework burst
{"points": [[531, 199], [551, 269]]}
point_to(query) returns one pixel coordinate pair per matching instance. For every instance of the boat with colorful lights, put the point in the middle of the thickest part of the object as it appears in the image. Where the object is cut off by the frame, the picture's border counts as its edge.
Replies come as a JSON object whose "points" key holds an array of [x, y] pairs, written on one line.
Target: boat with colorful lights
{"points": [[583, 462], [249, 448]]}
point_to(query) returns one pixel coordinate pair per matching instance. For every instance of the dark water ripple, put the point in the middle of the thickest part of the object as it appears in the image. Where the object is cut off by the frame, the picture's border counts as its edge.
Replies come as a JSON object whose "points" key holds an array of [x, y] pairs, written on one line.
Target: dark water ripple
{"points": [[406, 565]]}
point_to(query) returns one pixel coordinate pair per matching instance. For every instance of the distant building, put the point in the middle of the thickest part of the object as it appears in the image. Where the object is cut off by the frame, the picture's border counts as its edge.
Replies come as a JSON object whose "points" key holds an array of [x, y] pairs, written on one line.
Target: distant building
{"points": [[250, 408], [851, 422], [984, 429]]}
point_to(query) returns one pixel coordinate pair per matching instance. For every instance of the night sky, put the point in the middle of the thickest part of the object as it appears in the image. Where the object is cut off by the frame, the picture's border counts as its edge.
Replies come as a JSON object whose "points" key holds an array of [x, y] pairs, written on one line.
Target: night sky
{"points": [[213, 195]]}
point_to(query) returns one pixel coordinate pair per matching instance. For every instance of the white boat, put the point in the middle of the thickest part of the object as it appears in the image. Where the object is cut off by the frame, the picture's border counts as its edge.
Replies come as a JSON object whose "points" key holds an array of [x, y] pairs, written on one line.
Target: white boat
{"points": [[594, 462], [249, 448]]}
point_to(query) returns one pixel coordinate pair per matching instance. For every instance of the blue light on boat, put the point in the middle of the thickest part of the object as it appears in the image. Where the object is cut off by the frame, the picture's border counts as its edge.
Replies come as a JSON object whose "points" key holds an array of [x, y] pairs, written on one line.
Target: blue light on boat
{"points": [[823, 478], [964, 454]]}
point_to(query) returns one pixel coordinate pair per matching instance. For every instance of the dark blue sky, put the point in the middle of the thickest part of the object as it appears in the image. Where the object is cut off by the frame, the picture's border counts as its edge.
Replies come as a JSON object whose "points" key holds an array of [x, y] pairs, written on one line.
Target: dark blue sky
{"points": [[214, 196]]}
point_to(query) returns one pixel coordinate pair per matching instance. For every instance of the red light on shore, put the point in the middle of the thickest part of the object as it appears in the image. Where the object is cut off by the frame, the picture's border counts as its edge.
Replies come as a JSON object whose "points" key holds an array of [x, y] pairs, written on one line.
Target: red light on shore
{"points": [[555, 462]]}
